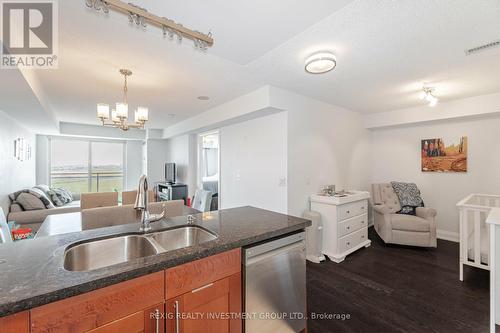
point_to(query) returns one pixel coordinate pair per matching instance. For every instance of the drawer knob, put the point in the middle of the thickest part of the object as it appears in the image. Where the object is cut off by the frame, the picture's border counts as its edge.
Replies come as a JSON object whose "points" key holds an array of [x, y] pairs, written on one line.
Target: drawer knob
{"points": [[363, 236], [348, 228], [362, 222], [363, 207], [348, 243], [348, 212]]}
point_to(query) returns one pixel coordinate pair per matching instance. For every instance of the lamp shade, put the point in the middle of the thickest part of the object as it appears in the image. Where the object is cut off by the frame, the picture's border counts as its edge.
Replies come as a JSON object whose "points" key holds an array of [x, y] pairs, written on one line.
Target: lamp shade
{"points": [[122, 110], [103, 111], [141, 114], [114, 116]]}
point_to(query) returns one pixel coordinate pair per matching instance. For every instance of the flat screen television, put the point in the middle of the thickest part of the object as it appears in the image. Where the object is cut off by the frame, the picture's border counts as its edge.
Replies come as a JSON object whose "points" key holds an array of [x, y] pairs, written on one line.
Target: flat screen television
{"points": [[170, 173]]}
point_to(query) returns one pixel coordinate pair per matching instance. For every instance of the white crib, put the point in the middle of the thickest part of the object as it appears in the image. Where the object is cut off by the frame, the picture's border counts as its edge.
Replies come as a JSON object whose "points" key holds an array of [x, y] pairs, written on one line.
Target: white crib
{"points": [[474, 234]]}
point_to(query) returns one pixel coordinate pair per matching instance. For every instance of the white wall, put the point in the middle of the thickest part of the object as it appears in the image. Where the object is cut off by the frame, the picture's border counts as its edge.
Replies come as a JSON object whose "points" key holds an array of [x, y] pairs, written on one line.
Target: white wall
{"points": [[396, 156], [156, 159], [254, 163], [14, 174], [42, 159], [133, 164], [326, 145]]}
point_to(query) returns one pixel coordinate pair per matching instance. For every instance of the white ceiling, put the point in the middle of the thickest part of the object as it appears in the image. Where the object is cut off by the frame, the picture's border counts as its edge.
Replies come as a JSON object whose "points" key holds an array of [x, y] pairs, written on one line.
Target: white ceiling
{"points": [[386, 50]]}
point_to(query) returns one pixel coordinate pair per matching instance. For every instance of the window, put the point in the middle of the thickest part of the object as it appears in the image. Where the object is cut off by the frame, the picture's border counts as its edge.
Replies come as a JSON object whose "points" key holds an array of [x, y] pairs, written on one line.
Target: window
{"points": [[87, 166]]}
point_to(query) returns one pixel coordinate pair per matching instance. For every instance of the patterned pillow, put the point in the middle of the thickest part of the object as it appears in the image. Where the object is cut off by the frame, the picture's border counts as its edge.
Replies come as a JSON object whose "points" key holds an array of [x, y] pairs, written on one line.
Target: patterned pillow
{"points": [[64, 195], [55, 199], [409, 197]]}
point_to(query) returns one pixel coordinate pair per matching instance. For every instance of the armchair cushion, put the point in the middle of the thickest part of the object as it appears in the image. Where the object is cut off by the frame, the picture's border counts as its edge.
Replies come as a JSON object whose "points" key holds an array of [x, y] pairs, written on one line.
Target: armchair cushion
{"points": [[426, 213], [381, 209], [409, 223]]}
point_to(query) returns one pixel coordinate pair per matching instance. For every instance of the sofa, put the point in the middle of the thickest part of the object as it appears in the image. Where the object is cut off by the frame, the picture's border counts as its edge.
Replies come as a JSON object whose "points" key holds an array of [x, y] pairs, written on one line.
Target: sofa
{"points": [[393, 228], [33, 217]]}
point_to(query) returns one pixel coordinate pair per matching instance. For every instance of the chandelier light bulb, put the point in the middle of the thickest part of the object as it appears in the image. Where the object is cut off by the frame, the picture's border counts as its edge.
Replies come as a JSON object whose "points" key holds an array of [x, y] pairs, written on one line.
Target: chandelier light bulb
{"points": [[141, 114], [103, 111], [114, 116], [122, 110]]}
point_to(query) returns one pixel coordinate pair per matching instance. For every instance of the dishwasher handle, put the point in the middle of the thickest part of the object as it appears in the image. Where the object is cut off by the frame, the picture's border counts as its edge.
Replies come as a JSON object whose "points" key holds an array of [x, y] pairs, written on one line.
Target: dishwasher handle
{"points": [[288, 248]]}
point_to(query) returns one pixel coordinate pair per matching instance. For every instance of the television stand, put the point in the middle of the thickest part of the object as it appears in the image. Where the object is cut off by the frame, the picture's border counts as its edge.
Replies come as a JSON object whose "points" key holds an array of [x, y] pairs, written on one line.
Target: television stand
{"points": [[168, 192]]}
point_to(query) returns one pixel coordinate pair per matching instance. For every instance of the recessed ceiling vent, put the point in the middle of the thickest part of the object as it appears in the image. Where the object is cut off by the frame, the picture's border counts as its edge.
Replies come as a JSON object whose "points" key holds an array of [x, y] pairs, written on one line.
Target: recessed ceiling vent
{"points": [[483, 47]]}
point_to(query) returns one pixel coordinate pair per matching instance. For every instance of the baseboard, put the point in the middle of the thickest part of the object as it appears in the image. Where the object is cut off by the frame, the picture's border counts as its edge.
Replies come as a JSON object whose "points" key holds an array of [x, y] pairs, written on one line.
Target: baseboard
{"points": [[448, 235]]}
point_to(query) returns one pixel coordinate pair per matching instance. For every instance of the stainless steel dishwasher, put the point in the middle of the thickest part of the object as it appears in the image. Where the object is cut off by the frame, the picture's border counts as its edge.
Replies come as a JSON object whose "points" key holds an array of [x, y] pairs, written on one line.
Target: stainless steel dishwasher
{"points": [[275, 286]]}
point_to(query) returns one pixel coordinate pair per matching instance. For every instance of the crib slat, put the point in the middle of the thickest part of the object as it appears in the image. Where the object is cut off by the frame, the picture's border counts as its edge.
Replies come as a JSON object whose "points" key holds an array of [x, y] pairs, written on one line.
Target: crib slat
{"points": [[477, 237], [465, 236]]}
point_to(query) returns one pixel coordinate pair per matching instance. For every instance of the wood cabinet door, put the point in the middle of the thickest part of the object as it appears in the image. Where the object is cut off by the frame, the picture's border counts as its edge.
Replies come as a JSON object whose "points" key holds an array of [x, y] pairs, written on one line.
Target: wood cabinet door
{"points": [[150, 320], [154, 319], [213, 308], [16, 323]]}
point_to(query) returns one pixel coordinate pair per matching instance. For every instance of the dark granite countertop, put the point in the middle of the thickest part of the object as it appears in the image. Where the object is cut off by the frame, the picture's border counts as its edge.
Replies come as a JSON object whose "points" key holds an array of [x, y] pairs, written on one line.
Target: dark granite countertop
{"points": [[32, 273]]}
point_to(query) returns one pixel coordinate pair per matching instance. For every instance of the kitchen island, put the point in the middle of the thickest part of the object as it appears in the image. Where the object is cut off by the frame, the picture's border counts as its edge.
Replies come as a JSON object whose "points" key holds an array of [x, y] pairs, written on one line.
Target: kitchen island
{"points": [[35, 287]]}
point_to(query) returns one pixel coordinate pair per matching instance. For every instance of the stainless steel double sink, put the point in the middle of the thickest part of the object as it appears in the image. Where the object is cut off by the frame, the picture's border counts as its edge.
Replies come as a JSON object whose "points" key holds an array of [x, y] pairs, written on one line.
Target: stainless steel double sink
{"points": [[101, 253]]}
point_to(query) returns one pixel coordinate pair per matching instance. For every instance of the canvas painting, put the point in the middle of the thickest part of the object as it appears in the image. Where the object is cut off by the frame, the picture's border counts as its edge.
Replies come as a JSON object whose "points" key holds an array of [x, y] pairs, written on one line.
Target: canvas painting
{"points": [[444, 155]]}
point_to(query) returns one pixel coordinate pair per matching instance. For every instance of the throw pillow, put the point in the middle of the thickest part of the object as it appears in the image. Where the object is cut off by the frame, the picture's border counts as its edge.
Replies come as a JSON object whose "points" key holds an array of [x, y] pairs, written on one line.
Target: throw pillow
{"points": [[45, 189], [55, 199], [13, 196], [409, 197], [41, 195], [30, 202], [65, 196]]}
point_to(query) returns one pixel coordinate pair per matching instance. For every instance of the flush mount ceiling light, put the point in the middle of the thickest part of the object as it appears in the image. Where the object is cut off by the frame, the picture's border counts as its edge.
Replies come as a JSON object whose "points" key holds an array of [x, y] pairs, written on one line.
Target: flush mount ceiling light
{"points": [[119, 115], [320, 63], [428, 95]]}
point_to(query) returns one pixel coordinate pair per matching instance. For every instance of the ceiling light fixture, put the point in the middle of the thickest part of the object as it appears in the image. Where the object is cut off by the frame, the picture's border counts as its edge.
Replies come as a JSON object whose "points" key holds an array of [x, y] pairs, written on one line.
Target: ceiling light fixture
{"points": [[203, 98], [428, 95], [141, 17], [321, 62], [119, 115]]}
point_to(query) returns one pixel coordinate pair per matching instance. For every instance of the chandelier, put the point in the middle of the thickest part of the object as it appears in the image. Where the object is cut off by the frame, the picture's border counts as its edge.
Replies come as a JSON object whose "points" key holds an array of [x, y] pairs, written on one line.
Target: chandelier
{"points": [[119, 115]]}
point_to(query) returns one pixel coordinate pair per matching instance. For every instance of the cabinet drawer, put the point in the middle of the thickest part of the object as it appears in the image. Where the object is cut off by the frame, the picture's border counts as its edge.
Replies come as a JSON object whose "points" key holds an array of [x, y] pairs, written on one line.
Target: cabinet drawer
{"points": [[199, 273], [353, 209], [352, 224], [352, 240]]}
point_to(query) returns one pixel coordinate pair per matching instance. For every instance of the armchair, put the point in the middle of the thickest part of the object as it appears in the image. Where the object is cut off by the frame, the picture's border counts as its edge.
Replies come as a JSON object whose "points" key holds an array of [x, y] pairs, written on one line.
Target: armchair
{"points": [[419, 230]]}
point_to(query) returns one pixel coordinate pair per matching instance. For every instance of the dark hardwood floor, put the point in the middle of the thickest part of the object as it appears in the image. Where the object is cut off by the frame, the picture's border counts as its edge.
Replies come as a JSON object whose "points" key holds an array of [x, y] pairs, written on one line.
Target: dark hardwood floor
{"points": [[388, 288]]}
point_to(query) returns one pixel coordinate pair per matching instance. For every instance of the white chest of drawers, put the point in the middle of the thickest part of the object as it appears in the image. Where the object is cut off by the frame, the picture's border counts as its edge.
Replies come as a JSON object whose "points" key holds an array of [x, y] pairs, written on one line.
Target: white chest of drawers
{"points": [[345, 223]]}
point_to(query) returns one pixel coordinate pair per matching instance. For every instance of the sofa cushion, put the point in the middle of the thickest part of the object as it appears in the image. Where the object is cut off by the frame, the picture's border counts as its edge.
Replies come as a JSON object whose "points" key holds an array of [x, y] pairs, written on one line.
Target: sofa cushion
{"points": [[30, 202], [409, 223]]}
